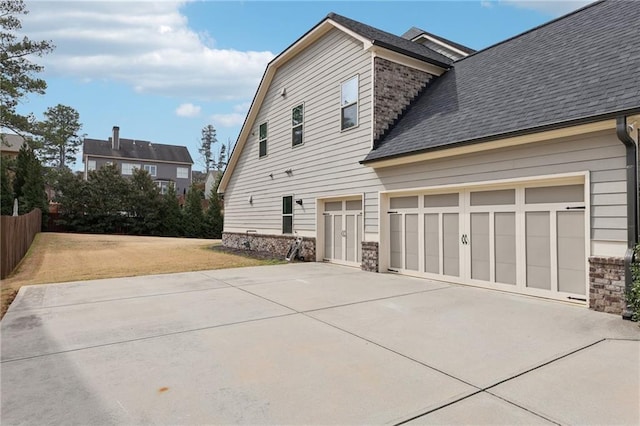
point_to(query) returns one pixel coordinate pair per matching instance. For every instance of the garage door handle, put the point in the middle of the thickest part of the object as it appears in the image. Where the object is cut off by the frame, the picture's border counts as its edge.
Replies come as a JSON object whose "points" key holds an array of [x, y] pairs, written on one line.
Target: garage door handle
{"points": [[464, 239]]}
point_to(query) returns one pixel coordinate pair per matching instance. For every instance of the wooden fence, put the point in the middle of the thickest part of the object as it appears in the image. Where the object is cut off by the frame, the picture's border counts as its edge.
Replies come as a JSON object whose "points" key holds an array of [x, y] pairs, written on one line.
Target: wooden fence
{"points": [[16, 235]]}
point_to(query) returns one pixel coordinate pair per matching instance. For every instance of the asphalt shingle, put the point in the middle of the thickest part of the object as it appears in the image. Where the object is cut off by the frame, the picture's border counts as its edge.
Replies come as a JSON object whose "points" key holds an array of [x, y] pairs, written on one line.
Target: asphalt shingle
{"points": [[142, 150], [584, 65]]}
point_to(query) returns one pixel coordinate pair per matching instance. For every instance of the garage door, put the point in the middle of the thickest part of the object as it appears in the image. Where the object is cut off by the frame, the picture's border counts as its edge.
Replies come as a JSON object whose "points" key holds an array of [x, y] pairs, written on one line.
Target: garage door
{"points": [[343, 231], [527, 239]]}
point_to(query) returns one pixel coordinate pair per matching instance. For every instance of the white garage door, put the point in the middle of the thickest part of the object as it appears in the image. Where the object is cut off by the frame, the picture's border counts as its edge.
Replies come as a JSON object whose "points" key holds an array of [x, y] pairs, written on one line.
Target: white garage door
{"points": [[343, 231], [527, 239]]}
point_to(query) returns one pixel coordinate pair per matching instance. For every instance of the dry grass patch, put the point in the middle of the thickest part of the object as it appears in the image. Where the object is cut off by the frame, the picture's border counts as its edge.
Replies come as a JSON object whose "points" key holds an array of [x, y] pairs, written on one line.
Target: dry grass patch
{"points": [[56, 258]]}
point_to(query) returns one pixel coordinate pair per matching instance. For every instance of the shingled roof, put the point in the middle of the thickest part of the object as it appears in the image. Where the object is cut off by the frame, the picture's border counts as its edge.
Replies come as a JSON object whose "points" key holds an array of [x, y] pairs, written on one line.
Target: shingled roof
{"points": [[582, 67], [136, 149], [414, 32], [392, 41]]}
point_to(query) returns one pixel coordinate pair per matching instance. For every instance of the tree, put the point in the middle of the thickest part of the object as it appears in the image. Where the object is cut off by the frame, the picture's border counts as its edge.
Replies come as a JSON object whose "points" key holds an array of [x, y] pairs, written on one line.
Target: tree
{"points": [[193, 217], [171, 214], [71, 194], [6, 188], [208, 139], [29, 175], [222, 157], [144, 204], [107, 197], [58, 135], [213, 218], [17, 77]]}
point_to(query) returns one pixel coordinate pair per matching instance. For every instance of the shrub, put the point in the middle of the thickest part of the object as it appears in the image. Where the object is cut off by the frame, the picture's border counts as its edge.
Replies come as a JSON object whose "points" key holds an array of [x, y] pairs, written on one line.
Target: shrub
{"points": [[633, 295]]}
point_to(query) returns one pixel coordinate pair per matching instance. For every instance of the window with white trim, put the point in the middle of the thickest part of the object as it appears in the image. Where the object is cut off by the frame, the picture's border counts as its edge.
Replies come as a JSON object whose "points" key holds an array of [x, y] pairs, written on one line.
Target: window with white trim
{"points": [[349, 103], [182, 173], [297, 124], [262, 140], [287, 214], [91, 165], [151, 169], [163, 185], [127, 168]]}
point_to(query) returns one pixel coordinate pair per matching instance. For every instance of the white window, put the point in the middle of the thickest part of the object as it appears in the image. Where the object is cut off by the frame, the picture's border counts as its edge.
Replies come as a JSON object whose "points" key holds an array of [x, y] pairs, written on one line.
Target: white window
{"points": [[127, 168], [262, 140], [163, 185], [297, 123], [182, 173], [91, 165], [152, 169], [349, 104]]}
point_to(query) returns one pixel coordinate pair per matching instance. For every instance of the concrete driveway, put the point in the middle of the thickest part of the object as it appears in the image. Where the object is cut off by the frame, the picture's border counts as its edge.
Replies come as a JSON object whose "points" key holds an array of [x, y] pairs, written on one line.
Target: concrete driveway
{"points": [[313, 344]]}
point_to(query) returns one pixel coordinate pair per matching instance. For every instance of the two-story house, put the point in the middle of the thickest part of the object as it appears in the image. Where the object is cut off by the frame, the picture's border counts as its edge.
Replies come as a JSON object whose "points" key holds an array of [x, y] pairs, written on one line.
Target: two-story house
{"points": [[165, 163], [511, 168]]}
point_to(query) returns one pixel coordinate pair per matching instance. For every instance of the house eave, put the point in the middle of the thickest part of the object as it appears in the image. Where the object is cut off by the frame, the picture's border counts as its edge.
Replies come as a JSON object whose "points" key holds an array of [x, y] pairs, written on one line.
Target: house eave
{"points": [[519, 137]]}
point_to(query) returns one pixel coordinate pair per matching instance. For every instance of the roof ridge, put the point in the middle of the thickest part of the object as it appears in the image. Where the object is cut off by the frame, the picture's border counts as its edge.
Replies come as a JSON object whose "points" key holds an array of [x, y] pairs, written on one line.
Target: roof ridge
{"points": [[530, 30]]}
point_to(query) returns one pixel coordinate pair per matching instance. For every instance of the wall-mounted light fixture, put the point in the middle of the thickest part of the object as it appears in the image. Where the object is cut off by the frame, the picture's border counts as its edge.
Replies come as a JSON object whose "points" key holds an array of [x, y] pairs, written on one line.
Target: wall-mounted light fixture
{"points": [[299, 201], [283, 92], [251, 199]]}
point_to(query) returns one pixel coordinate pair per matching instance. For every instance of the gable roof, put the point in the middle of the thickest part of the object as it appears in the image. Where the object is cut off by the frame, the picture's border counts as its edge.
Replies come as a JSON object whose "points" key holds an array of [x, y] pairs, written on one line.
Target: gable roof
{"points": [[139, 150], [582, 67], [366, 34], [392, 42], [414, 32]]}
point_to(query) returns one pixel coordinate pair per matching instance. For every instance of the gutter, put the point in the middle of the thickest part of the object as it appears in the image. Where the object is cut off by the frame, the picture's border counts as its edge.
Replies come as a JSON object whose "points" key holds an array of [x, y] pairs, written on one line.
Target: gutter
{"points": [[632, 204]]}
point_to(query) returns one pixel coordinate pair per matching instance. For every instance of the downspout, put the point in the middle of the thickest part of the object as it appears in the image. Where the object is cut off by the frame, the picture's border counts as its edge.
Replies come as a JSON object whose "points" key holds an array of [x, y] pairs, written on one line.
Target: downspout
{"points": [[632, 204]]}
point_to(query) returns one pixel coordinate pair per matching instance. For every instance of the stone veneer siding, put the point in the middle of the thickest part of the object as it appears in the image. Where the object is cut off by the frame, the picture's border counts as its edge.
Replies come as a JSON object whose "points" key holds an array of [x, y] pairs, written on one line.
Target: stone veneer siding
{"points": [[278, 245], [395, 86], [369, 256], [606, 284]]}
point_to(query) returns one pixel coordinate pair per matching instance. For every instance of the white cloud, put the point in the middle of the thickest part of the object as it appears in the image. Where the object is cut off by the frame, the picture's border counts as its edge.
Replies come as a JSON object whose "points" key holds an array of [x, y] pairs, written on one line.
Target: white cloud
{"points": [[188, 110], [550, 7], [486, 3], [228, 120], [234, 119], [147, 45]]}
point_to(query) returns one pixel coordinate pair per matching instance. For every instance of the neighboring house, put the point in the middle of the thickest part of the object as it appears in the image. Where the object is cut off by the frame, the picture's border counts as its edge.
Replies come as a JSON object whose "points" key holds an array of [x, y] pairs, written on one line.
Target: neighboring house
{"points": [[10, 145], [165, 163], [511, 168], [210, 182]]}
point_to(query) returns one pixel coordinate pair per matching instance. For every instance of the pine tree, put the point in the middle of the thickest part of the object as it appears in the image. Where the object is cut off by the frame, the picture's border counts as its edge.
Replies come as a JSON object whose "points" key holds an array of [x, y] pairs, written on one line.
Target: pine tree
{"points": [[30, 191], [207, 140], [144, 204], [6, 187], [17, 77], [214, 219], [59, 136], [171, 214], [193, 217]]}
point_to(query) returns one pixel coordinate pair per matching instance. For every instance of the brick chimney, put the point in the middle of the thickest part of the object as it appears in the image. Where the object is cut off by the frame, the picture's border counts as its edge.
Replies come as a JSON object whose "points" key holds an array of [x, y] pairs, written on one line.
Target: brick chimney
{"points": [[115, 140]]}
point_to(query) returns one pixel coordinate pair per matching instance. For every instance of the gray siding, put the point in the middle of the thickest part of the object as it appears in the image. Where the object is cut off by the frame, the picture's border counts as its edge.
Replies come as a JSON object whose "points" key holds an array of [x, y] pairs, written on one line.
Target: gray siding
{"points": [[327, 162], [165, 171], [601, 154]]}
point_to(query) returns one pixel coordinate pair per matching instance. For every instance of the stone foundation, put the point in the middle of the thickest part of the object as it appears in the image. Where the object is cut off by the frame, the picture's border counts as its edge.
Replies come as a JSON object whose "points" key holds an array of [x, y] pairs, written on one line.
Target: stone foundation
{"points": [[278, 245], [369, 256], [606, 284]]}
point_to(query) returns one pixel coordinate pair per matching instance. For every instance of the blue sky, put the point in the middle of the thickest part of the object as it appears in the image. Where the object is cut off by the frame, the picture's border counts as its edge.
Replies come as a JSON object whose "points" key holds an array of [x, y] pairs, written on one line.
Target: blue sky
{"points": [[162, 70]]}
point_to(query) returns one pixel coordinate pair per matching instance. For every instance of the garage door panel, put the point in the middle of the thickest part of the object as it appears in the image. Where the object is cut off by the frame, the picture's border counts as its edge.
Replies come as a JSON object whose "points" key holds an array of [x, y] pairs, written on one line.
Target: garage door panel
{"points": [[571, 252], [412, 242], [450, 244], [538, 238], [395, 229], [480, 248], [431, 243], [505, 247]]}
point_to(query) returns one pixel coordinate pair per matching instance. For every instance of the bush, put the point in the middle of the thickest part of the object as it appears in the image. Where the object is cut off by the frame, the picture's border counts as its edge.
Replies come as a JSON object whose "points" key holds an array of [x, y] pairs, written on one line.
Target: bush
{"points": [[633, 296]]}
